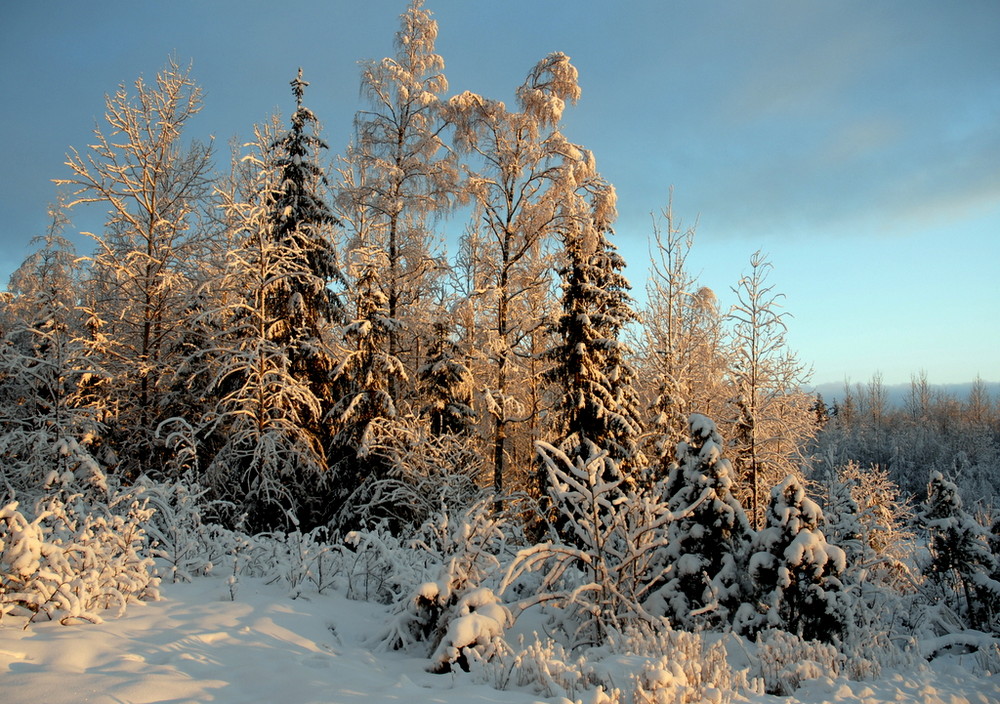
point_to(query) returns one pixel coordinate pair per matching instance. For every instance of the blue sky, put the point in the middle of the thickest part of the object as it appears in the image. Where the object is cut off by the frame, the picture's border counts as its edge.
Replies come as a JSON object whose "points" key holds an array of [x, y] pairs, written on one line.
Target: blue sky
{"points": [[857, 143]]}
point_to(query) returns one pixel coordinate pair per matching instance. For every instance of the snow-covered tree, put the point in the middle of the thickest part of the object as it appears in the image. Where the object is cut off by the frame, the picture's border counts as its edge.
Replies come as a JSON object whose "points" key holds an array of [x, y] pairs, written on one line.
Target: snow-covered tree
{"points": [[365, 375], [772, 418], [399, 174], [446, 386], [962, 563], [707, 548], [521, 170], [48, 436], [681, 344], [602, 571], [796, 574], [303, 303], [590, 372], [268, 454], [152, 186]]}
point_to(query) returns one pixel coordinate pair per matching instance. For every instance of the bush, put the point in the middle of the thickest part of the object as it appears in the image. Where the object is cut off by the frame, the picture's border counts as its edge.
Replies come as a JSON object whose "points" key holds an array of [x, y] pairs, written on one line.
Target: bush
{"points": [[72, 560]]}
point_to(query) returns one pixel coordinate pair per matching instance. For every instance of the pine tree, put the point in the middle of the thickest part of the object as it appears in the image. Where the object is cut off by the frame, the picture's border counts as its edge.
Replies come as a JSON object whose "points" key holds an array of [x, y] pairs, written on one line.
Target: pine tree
{"points": [[303, 223], [796, 574], [962, 563], [272, 365], [707, 545]]}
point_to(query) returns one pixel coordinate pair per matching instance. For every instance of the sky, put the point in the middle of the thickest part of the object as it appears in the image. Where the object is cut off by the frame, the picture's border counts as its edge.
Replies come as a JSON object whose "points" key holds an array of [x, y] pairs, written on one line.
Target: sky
{"points": [[857, 144]]}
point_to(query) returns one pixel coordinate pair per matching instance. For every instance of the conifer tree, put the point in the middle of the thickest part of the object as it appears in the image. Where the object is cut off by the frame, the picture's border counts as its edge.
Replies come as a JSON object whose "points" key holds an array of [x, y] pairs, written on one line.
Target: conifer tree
{"points": [[304, 225], [447, 386], [591, 374], [796, 574], [364, 376], [272, 367], [707, 546], [962, 563]]}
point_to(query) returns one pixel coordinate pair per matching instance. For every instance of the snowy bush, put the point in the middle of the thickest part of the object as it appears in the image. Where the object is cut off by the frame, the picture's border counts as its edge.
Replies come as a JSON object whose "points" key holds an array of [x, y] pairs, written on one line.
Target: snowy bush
{"points": [[785, 660], [71, 560], [600, 580], [641, 665], [426, 471], [476, 630], [379, 567], [460, 554]]}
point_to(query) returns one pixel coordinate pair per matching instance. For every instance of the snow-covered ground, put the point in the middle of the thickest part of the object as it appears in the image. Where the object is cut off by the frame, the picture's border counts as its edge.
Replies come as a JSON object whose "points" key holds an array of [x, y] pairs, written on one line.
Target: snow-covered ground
{"points": [[197, 645]]}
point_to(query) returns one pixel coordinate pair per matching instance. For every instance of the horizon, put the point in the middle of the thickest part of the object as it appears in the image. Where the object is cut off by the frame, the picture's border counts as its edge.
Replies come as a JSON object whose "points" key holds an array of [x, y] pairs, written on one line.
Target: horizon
{"points": [[856, 145]]}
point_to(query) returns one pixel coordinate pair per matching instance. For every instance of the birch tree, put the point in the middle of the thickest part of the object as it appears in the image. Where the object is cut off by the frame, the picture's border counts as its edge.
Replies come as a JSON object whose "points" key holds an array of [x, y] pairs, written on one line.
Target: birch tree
{"points": [[400, 174], [682, 341], [521, 169], [47, 435], [152, 186]]}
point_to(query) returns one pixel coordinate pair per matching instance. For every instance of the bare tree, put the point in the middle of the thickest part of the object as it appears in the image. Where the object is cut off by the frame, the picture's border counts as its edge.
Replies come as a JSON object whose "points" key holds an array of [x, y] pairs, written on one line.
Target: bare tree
{"points": [[772, 414]]}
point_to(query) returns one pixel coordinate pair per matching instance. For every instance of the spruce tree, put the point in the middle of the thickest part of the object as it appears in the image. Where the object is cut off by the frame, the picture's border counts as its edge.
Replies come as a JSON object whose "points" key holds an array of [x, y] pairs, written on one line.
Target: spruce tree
{"points": [[596, 403], [707, 545], [447, 386], [962, 563], [796, 574]]}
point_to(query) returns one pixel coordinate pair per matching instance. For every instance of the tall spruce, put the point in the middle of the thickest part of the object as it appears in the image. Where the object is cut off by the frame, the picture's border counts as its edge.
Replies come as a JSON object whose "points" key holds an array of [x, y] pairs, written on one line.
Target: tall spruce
{"points": [[272, 366], [591, 374]]}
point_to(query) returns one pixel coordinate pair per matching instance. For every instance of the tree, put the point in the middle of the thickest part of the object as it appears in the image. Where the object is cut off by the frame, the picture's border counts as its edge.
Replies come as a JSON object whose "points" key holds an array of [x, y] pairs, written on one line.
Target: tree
{"points": [[47, 435], [962, 564], [272, 354], [707, 547], [403, 174], [795, 572], [365, 375], [772, 415], [522, 170], [447, 386], [590, 370], [301, 221], [682, 342], [152, 187]]}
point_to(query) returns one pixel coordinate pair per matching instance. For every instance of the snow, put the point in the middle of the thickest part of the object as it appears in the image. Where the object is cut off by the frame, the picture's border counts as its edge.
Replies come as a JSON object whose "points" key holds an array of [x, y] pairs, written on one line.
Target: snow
{"points": [[195, 645]]}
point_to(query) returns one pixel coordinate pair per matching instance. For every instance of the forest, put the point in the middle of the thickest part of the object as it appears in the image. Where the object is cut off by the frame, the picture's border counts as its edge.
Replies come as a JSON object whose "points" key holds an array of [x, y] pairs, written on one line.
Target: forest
{"points": [[273, 360]]}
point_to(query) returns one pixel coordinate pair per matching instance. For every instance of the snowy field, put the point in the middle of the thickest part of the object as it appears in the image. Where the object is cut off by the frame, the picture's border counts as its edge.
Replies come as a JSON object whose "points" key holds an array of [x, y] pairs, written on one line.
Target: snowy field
{"points": [[197, 645]]}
